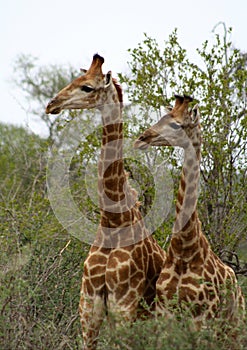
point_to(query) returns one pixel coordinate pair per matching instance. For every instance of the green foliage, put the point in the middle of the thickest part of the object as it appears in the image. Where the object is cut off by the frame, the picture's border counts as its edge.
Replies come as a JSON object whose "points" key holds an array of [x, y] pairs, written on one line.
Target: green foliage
{"points": [[41, 264], [219, 84], [40, 286], [169, 334]]}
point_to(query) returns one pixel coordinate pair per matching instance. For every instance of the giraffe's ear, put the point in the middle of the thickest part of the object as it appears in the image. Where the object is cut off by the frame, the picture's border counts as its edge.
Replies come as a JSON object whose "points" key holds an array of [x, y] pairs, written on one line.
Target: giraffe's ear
{"points": [[108, 79], [195, 115]]}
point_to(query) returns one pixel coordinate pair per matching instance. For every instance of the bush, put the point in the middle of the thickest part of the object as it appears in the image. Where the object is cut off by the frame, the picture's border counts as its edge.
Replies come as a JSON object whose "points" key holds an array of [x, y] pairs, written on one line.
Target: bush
{"points": [[40, 289]]}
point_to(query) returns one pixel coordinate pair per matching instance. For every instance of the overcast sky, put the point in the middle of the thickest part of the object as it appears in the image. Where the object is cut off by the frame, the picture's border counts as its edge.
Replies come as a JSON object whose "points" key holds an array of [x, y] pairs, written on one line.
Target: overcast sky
{"points": [[62, 31]]}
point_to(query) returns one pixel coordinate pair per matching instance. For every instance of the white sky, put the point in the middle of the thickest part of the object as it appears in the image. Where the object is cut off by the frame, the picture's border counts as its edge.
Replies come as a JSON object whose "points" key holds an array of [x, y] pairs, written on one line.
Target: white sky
{"points": [[71, 31]]}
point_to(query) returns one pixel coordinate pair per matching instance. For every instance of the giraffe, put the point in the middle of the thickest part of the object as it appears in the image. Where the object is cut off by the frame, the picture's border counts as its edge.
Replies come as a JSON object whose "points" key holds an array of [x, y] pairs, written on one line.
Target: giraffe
{"points": [[193, 277], [124, 261]]}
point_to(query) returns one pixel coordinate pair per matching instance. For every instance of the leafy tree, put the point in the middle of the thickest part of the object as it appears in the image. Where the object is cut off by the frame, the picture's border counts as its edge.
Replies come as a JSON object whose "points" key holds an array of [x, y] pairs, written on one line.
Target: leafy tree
{"points": [[39, 84], [219, 84]]}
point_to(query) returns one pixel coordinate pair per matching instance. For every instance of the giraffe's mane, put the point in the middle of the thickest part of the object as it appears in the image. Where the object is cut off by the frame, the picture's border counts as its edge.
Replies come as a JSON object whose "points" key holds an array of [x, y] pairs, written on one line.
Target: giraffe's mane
{"points": [[119, 90]]}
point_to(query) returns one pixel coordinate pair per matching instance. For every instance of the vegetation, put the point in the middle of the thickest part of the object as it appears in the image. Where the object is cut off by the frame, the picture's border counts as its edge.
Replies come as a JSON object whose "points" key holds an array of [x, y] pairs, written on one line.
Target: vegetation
{"points": [[42, 261], [163, 334], [219, 84]]}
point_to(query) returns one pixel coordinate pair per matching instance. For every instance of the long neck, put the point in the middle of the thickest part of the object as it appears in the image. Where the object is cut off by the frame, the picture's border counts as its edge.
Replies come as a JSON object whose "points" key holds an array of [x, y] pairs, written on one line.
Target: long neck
{"points": [[186, 229], [112, 180]]}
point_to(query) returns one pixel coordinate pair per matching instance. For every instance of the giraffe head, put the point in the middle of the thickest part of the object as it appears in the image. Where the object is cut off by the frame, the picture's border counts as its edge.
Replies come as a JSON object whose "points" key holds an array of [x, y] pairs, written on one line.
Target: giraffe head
{"points": [[90, 90], [174, 128]]}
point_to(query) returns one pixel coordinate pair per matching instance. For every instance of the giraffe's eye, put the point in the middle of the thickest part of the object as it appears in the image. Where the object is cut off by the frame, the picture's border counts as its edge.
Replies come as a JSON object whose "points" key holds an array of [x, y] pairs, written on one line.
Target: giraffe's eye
{"points": [[86, 88], [175, 126]]}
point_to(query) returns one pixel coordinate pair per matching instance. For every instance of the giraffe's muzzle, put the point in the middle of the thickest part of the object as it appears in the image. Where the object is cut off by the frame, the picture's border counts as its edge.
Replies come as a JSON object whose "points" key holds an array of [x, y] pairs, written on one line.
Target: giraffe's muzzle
{"points": [[53, 107]]}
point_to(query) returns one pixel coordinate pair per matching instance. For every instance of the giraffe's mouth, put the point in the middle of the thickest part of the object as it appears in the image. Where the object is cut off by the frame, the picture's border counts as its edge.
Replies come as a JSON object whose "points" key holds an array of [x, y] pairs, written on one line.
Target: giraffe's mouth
{"points": [[55, 111], [52, 107], [139, 144], [143, 142]]}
